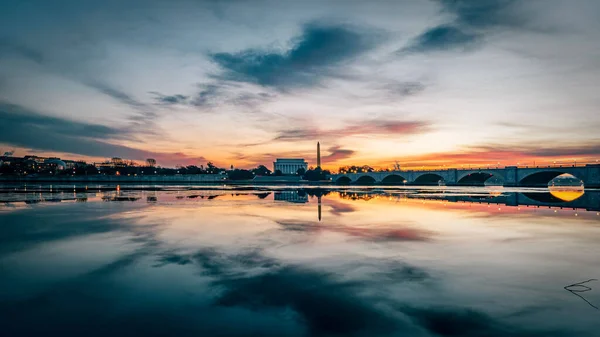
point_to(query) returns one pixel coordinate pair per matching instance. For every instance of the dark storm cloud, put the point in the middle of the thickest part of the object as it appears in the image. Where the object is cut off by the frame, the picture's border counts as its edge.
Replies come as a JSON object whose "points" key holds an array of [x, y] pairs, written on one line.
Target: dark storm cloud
{"points": [[24, 128], [472, 19], [313, 55], [369, 127]]}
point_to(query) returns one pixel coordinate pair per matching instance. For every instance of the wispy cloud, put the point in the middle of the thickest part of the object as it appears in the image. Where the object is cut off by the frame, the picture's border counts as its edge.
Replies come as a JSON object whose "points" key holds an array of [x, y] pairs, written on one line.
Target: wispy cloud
{"points": [[314, 54], [8, 46], [330, 156], [224, 93], [365, 128], [400, 89], [472, 19], [146, 114], [216, 95], [590, 150], [338, 153], [442, 38], [510, 155], [484, 13], [169, 99]]}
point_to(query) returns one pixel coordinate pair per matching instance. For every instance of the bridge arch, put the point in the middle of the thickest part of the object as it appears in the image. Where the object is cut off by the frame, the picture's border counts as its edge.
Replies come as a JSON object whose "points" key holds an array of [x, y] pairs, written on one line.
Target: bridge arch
{"points": [[477, 178], [343, 180], [393, 179], [365, 180], [428, 179], [542, 178]]}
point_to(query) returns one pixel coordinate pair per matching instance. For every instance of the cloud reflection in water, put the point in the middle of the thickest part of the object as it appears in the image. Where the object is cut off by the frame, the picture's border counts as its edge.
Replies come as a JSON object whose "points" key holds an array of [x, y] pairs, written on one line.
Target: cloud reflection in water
{"points": [[234, 266]]}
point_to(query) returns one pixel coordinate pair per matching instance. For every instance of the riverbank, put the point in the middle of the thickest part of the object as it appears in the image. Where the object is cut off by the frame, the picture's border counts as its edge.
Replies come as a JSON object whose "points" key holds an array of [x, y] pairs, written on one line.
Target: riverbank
{"points": [[166, 180]]}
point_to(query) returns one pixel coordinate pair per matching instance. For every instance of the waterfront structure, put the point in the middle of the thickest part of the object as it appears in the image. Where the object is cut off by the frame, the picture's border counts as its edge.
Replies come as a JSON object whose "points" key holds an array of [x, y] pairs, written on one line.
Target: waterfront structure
{"points": [[318, 154], [289, 165]]}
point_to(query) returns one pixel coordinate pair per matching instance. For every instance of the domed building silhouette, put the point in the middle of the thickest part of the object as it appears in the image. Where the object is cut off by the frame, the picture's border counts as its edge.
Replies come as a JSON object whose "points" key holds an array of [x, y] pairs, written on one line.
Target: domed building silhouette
{"points": [[56, 163]]}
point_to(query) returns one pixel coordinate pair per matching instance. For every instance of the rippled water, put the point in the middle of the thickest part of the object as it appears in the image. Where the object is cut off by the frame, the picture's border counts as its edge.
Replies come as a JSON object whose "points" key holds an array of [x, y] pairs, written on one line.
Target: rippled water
{"points": [[94, 261]]}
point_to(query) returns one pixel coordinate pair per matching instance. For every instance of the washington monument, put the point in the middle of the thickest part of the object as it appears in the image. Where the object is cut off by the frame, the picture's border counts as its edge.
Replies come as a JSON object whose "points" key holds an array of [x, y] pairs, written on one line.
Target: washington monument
{"points": [[318, 154]]}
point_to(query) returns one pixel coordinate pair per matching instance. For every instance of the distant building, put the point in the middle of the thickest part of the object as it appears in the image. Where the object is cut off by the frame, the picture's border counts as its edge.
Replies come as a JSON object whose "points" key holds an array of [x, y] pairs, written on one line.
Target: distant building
{"points": [[71, 164], [114, 163], [289, 166], [55, 163], [39, 160], [7, 160]]}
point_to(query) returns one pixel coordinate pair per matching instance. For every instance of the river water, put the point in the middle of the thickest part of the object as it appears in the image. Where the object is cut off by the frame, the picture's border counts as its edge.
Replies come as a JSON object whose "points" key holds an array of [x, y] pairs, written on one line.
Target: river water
{"points": [[275, 261]]}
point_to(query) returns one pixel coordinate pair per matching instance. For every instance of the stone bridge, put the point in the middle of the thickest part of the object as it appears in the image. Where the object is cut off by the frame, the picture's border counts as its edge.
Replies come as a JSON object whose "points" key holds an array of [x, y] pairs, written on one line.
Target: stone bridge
{"points": [[538, 176]]}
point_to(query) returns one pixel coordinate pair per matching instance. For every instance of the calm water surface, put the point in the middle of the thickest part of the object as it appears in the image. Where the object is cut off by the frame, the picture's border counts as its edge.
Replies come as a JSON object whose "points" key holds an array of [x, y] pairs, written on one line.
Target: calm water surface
{"points": [[296, 262]]}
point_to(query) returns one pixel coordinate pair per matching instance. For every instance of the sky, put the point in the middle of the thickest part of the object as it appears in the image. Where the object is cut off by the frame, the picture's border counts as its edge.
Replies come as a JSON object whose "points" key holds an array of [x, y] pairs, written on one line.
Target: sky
{"points": [[424, 83]]}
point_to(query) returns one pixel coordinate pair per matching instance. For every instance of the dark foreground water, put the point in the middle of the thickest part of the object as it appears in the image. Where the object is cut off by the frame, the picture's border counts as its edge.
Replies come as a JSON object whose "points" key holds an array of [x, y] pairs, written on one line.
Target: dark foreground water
{"points": [[359, 262]]}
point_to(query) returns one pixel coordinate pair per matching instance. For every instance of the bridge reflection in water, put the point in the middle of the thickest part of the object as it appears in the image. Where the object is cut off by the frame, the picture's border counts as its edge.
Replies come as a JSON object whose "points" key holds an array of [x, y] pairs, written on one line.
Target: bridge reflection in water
{"points": [[565, 194], [557, 198]]}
